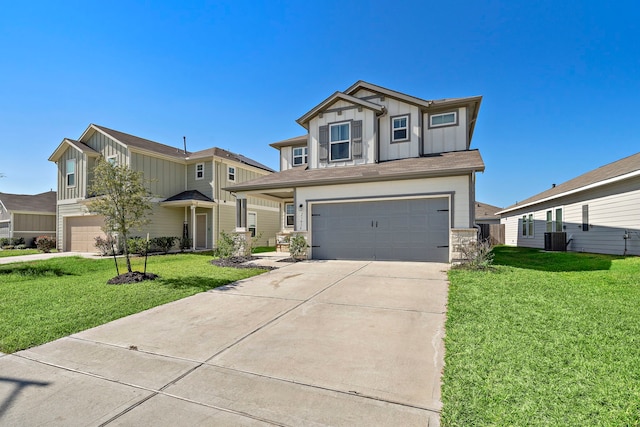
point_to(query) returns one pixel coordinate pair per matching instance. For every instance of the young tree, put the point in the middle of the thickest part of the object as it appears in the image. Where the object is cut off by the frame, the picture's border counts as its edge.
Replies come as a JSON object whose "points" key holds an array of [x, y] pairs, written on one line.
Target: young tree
{"points": [[121, 197]]}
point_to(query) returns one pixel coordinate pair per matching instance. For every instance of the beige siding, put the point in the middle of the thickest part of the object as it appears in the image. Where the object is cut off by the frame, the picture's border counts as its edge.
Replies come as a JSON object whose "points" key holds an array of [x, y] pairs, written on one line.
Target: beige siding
{"points": [[368, 135], [446, 138], [64, 211], [268, 224], [107, 147], [205, 185], [80, 189], [163, 222], [613, 209], [227, 221], [167, 178], [286, 158], [35, 223], [242, 175]]}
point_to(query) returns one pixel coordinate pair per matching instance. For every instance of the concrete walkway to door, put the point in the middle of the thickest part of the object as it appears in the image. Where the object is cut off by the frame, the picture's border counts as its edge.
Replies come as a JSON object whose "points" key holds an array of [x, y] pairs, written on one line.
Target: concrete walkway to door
{"points": [[340, 343]]}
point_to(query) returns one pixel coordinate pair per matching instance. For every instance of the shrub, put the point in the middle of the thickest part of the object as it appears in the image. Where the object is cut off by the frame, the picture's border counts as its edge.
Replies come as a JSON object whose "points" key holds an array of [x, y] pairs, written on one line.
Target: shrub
{"points": [[137, 245], [105, 246], [226, 245], [4, 241], [45, 243], [476, 254], [185, 243], [17, 241], [298, 246], [163, 244], [21, 246]]}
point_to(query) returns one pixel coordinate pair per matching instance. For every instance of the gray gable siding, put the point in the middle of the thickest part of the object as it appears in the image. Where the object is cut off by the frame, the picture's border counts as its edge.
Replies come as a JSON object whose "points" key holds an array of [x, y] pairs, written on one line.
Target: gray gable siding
{"points": [[207, 184]]}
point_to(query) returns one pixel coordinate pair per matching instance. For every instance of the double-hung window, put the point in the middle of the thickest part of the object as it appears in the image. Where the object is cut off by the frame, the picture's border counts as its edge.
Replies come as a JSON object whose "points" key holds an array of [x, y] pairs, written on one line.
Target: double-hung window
{"points": [[200, 171], [527, 225], [299, 156], [231, 173], [339, 141], [71, 173], [289, 214], [400, 128], [252, 223], [445, 119], [554, 220]]}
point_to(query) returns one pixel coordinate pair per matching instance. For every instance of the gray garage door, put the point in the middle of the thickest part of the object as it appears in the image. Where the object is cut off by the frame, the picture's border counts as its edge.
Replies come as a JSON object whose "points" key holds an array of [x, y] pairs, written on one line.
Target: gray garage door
{"points": [[391, 230]]}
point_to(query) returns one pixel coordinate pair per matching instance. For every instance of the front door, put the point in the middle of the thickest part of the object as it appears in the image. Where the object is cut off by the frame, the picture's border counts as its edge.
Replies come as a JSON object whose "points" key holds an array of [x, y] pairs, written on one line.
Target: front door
{"points": [[201, 231]]}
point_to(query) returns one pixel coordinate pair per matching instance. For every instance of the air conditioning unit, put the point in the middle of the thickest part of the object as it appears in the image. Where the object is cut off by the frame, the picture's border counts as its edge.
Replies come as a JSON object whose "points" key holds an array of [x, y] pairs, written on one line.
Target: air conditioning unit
{"points": [[555, 241]]}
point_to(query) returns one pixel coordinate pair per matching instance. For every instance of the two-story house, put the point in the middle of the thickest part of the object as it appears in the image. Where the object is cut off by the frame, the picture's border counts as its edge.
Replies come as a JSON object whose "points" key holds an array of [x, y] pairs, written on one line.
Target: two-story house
{"points": [[27, 216], [378, 175], [187, 188]]}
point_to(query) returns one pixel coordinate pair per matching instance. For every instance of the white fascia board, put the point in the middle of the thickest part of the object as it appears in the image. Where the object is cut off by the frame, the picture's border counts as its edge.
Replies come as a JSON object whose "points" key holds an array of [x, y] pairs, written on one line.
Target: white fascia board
{"points": [[574, 191]]}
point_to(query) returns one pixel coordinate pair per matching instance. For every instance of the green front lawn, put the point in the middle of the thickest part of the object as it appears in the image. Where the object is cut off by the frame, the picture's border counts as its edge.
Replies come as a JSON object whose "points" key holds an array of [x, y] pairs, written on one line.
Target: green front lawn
{"points": [[546, 339], [17, 252], [45, 300]]}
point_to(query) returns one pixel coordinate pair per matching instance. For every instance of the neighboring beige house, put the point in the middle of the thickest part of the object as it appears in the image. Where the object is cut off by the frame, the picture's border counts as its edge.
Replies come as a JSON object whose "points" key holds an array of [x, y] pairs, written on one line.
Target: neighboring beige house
{"points": [[599, 211], [187, 189], [27, 216], [378, 175]]}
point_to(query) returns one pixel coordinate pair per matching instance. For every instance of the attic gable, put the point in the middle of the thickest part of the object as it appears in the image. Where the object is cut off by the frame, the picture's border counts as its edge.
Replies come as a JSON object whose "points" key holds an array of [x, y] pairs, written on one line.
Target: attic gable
{"points": [[338, 96], [76, 145]]}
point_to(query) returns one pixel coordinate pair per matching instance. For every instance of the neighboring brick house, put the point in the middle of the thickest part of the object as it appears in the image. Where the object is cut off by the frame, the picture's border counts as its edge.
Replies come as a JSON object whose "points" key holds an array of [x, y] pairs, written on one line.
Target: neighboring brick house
{"points": [[378, 175], [186, 187]]}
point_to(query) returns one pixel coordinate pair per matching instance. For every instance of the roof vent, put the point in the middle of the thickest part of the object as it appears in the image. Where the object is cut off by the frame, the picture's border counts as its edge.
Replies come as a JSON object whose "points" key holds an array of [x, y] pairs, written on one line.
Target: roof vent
{"points": [[553, 186]]}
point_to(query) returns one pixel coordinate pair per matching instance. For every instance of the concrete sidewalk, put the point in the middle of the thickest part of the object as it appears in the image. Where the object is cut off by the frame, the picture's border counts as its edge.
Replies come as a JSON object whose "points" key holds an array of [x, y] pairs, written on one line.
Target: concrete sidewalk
{"points": [[43, 256], [313, 343]]}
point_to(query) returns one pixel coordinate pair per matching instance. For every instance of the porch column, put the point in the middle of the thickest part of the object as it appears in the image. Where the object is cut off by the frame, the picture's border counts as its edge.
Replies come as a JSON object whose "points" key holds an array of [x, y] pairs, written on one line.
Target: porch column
{"points": [[241, 213], [194, 231]]}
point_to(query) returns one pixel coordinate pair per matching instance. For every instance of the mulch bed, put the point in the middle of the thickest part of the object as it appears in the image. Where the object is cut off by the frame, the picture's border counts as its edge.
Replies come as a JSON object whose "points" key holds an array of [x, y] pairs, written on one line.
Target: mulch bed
{"points": [[239, 262], [133, 277]]}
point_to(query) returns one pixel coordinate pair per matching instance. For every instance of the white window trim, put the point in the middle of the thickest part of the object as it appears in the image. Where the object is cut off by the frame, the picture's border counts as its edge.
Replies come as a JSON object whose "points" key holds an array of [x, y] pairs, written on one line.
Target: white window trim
{"points": [[303, 156], [201, 171], [454, 123], [342, 141], [231, 176], [529, 232], [406, 128], [554, 219], [293, 215], [112, 160], [255, 214], [75, 170]]}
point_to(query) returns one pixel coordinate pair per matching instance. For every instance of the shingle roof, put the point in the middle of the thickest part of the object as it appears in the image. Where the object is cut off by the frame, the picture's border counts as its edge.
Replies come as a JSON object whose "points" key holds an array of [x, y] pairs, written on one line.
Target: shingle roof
{"points": [[296, 140], [486, 211], [43, 202], [189, 195], [609, 171], [219, 152], [142, 143], [441, 164]]}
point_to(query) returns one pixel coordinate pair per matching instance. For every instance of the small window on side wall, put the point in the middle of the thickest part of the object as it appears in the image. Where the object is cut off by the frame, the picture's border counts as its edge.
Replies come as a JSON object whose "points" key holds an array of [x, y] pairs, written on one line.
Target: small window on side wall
{"points": [[71, 173], [400, 128], [112, 160], [299, 156], [200, 171], [444, 119], [231, 173], [585, 217]]}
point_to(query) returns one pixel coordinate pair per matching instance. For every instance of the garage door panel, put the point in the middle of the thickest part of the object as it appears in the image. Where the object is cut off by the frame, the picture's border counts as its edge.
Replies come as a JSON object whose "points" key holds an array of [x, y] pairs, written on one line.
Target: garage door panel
{"points": [[411, 230]]}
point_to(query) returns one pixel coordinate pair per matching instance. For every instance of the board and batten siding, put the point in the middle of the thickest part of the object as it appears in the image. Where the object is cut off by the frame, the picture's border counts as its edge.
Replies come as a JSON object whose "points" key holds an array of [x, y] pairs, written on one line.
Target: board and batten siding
{"points": [[286, 157], [65, 210], [34, 223], [163, 222], [167, 178], [351, 113], [204, 185], [242, 175], [80, 188], [107, 147], [613, 209], [446, 138], [455, 186]]}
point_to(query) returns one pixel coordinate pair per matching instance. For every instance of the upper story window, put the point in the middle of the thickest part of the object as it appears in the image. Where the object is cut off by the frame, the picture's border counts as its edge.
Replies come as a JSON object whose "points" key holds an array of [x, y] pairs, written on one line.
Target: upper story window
{"points": [[231, 173], [445, 119], [112, 160], [339, 141], [200, 171], [299, 156], [71, 173], [400, 128]]}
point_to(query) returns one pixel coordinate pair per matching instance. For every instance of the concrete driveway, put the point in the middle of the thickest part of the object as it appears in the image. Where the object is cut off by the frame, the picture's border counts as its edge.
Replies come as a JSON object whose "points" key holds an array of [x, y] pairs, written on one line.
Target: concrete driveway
{"points": [[338, 343]]}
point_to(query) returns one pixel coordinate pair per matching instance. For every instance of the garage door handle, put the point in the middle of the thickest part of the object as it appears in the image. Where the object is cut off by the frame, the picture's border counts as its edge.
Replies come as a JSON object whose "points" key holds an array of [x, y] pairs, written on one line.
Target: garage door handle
{"points": [[443, 246]]}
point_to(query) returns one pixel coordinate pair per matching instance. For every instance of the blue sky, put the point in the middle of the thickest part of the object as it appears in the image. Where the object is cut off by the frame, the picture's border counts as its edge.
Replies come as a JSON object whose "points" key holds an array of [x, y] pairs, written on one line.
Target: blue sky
{"points": [[560, 80]]}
